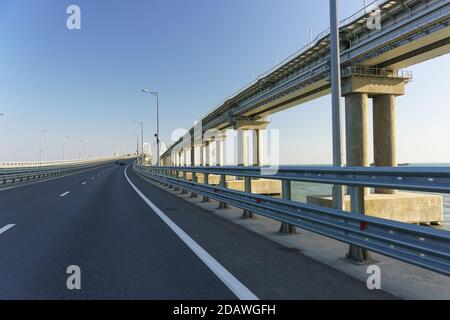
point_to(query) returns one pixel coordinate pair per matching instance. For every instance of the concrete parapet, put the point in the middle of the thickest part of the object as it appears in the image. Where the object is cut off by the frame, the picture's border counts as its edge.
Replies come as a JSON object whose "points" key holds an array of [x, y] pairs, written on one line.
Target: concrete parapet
{"points": [[402, 207], [261, 186]]}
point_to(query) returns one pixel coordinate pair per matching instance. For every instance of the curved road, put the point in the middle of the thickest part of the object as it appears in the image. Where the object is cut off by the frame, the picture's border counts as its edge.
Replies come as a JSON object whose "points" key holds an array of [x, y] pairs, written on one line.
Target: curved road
{"points": [[133, 240]]}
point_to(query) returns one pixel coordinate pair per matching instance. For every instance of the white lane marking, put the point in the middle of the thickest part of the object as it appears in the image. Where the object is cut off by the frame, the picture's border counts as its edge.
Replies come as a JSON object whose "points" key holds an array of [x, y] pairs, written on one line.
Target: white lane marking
{"points": [[93, 178], [84, 182], [6, 228], [64, 194], [240, 290]]}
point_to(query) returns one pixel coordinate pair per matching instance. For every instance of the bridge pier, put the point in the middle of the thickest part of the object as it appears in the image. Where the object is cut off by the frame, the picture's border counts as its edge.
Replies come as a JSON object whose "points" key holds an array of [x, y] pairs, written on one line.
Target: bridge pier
{"points": [[385, 134], [357, 130], [383, 86]]}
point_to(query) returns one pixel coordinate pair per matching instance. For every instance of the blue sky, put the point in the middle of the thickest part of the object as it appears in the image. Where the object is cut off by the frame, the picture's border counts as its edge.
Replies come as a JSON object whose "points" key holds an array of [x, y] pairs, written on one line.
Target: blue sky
{"points": [[85, 83]]}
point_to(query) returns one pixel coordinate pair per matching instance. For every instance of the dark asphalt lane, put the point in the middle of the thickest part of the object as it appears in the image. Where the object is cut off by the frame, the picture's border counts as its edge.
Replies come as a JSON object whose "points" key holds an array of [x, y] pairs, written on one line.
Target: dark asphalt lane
{"points": [[269, 270], [125, 251]]}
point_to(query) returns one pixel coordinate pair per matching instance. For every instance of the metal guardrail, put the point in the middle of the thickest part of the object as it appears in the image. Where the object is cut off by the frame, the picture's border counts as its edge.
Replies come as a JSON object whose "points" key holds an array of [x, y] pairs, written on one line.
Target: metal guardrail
{"points": [[425, 247], [14, 173]]}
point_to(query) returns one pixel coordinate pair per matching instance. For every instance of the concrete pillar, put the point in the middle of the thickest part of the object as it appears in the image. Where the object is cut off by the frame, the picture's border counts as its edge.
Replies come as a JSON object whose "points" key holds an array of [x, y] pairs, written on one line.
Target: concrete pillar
{"points": [[357, 127], [192, 155], [208, 153], [242, 147], [385, 134], [219, 153], [258, 144], [202, 155]]}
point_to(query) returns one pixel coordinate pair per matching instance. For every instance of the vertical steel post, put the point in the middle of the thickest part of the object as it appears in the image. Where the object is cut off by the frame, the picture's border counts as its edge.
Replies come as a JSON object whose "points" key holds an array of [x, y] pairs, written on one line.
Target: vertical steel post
{"points": [[286, 192], [248, 189], [338, 154], [223, 184], [357, 254]]}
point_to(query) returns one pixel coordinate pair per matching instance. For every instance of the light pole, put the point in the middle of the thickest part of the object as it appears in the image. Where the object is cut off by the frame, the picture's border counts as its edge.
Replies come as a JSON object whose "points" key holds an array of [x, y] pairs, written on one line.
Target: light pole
{"points": [[80, 152], [338, 191], [41, 144], [156, 94], [64, 147], [137, 143], [142, 137]]}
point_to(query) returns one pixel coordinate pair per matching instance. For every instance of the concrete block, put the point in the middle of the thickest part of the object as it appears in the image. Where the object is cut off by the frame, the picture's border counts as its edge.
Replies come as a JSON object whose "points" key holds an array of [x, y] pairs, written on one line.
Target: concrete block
{"points": [[403, 207], [261, 186]]}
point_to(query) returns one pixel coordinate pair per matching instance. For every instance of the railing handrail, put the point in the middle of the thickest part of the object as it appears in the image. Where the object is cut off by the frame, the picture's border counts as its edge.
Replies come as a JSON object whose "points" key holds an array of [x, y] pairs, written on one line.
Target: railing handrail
{"points": [[425, 247], [427, 179]]}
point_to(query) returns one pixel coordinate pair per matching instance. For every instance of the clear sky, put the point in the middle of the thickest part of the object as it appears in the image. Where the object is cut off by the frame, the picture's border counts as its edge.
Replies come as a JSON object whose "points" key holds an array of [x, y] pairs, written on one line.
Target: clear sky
{"points": [[85, 83]]}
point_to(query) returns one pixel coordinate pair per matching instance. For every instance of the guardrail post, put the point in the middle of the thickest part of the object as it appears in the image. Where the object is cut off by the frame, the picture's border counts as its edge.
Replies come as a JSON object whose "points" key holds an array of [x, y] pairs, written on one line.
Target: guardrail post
{"points": [[194, 179], [206, 178], [223, 184], [357, 254], [286, 192], [248, 189], [184, 191], [177, 175]]}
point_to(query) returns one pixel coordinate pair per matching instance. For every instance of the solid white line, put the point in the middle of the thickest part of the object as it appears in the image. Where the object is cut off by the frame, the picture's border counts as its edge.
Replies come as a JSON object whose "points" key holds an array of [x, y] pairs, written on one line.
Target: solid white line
{"points": [[240, 290], [7, 227], [64, 194]]}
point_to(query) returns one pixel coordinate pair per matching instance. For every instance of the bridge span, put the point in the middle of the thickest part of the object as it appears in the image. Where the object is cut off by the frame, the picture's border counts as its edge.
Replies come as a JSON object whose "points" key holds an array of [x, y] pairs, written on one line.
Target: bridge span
{"points": [[372, 62]]}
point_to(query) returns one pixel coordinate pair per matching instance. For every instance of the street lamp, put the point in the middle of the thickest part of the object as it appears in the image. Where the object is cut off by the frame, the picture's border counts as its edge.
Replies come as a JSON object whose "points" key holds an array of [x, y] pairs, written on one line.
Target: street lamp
{"points": [[156, 94], [64, 147], [137, 143], [142, 136], [80, 152], [41, 144], [338, 156]]}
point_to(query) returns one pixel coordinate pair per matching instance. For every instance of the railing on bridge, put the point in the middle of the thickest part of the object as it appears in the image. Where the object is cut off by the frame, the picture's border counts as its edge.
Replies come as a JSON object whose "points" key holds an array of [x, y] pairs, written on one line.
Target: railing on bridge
{"points": [[422, 246], [11, 172]]}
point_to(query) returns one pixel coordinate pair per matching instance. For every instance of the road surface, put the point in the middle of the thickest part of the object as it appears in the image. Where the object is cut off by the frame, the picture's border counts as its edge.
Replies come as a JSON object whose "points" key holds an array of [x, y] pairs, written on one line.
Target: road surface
{"points": [[133, 240]]}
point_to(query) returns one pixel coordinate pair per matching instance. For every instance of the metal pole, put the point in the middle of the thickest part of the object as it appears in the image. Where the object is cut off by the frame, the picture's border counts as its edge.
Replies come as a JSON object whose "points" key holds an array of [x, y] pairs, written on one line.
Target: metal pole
{"points": [[40, 149], [157, 129], [142, 140], [338, 156]]}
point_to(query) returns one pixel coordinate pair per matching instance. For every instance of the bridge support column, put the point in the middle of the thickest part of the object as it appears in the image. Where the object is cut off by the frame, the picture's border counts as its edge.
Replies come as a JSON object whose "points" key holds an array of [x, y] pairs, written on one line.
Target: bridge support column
{"points": [[193, 163], [357, 130], [385, 134], [242, 147], [208, 153], [258, 143], [219, 153]]}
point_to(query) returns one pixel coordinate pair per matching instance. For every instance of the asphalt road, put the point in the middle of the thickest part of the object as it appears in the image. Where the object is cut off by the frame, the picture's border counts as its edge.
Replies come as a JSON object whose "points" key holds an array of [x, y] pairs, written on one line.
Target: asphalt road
{"points": [[133, 240]]}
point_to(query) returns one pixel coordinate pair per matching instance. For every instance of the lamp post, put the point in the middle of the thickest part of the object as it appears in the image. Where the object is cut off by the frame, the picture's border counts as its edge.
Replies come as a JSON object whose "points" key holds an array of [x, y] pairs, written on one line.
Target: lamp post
{"points": [[64, 147], [80, 152], [142, 138], [338, 191], [41, 144], [137, 143], [156, 94]]}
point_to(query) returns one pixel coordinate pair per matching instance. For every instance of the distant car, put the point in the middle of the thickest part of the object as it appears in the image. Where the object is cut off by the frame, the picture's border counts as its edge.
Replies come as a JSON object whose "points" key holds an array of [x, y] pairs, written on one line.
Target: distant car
{"points": [[117, 162], [122, 163]]}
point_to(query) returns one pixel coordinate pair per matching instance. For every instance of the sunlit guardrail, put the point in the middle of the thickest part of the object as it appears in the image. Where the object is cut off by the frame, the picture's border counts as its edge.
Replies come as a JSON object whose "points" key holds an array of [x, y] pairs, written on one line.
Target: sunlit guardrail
{"points": [[425, 247], [11, 172]]}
